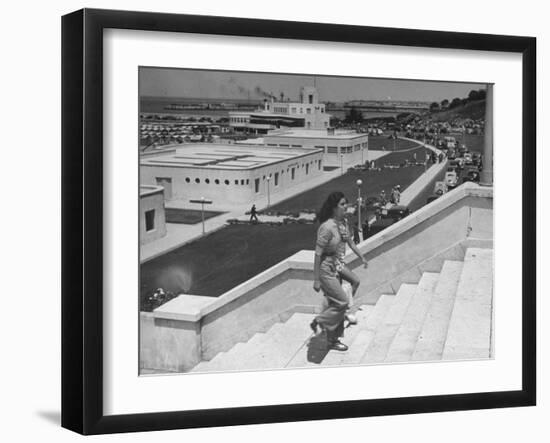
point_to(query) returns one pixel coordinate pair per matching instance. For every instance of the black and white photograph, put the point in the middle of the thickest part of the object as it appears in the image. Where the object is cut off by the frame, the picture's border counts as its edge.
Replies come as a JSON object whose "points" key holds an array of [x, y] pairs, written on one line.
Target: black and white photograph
{"points": [[262, 223], [292, 221]]}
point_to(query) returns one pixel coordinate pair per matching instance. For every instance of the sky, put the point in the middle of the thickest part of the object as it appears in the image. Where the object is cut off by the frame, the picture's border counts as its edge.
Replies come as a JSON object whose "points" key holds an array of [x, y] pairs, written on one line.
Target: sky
{"points": [[166, 82]]}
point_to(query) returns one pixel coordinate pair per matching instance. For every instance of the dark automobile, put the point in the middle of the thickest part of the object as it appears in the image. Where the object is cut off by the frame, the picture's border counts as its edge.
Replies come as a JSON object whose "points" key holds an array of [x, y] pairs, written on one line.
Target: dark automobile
{"points": [[388, 218], [396, 212], [476, 158], [377, 226], [471, 176], [457, 163]]}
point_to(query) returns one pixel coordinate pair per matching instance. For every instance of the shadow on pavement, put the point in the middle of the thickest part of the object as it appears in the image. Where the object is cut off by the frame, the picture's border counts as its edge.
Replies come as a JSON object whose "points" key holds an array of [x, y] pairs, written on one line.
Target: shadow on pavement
{"points": [[317, 348]]}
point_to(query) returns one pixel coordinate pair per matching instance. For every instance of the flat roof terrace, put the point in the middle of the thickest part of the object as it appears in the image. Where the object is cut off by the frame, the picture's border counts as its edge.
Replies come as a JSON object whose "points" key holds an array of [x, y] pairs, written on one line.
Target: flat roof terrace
{"points": [[315, 133], [229, 157]]}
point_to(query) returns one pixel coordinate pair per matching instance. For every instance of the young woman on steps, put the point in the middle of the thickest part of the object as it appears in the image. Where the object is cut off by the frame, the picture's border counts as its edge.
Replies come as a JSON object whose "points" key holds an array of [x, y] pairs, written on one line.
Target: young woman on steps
{"points": [[329, 268]]}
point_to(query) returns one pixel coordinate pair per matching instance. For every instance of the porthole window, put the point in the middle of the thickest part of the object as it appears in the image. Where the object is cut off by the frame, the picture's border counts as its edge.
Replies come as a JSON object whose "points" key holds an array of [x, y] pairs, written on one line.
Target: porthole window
{"points": [[187, 180], [197, 180], [217, 181], [207, 180], [226, 182]]}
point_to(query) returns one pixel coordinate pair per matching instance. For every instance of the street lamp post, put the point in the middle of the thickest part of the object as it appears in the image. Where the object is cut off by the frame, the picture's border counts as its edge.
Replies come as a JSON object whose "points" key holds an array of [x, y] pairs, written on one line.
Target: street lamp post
{"points": [[202, 201], [268, 196], [341, 164], [359, 182]]}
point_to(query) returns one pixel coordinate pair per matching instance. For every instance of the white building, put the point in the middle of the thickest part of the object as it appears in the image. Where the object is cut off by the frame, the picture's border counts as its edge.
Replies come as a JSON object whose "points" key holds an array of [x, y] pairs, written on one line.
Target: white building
{"points": [[152, 217], [229, 174], [340, 147], [307, 113]]}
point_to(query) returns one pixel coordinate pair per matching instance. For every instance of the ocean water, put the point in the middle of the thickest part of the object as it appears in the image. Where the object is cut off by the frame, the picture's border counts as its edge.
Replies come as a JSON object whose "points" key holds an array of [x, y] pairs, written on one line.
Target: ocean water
{"points": [[159, 104]]}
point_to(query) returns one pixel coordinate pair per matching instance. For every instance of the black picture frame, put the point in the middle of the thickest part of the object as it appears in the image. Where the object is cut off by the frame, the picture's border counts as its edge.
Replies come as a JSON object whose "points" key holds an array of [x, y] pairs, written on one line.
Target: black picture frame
{"points": [[82, 218]]}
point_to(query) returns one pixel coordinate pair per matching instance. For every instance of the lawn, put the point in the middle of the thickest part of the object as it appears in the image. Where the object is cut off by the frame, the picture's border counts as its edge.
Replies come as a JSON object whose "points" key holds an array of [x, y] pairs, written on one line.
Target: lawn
{"points": [[188, 216], [222, 260], [373, 183], [377, 143]]}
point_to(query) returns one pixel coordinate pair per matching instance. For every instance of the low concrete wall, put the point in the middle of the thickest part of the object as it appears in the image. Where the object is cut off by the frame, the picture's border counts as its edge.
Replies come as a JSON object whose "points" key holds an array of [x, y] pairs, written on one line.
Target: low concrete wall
{"points": [[188, 329]]}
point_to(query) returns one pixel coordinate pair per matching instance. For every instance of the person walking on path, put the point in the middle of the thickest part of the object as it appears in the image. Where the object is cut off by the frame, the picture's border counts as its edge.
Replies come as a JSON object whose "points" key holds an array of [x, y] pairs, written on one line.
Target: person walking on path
{"points": [[329, 269], [382, 198], [396, 194], [253, 214]]}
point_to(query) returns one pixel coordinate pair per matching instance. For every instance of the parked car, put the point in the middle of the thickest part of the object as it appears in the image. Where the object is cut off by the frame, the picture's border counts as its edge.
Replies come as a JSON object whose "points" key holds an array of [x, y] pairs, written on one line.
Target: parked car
{"points": [[472, 175], [378, 225], [476, 158], [440, 188], [451, 179], [457, 163], [396, 212]]}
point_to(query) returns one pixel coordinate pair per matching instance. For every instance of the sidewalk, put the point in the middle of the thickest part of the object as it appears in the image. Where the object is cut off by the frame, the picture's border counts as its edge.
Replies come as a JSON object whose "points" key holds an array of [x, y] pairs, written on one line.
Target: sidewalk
{"points": [[424, 180]]}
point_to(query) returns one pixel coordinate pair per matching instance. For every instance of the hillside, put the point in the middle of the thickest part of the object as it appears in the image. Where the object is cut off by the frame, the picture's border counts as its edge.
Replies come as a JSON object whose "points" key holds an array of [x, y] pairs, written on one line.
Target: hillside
{"points": [[474, 110]]}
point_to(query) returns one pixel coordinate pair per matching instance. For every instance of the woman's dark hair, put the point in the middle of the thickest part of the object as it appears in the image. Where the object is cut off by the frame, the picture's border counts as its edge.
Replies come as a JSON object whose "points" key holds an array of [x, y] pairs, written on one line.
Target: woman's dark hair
{"points": [[330, 203]]}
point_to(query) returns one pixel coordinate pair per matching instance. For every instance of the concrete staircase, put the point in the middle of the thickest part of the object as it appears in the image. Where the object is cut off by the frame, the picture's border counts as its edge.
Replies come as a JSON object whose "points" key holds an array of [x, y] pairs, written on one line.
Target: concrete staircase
{"points": [[445, 316]]}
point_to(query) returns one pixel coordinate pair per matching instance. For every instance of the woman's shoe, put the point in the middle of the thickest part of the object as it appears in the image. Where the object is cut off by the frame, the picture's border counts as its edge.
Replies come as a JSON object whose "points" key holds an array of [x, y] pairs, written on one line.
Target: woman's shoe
{"points": [[313, 325], [337, 345]]}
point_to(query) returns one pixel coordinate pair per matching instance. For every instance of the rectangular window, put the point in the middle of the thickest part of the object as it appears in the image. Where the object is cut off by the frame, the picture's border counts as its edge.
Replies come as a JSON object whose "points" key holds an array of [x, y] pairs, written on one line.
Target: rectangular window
{"points": [[308, 110], [307, 169], [332, 150], [236, 182], [276, 179], [149, 220], [296, 146], [310, 98], [319, 161], [292, 171], [257, 185]]}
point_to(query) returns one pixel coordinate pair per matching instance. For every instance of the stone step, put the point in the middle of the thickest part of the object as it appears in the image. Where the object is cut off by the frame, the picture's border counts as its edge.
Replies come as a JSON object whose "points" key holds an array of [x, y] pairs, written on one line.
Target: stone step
{"points": [[378, 347], [363, 314], [363, 336], [271, 350], [432, 338], [469, 333], [404, 342]]}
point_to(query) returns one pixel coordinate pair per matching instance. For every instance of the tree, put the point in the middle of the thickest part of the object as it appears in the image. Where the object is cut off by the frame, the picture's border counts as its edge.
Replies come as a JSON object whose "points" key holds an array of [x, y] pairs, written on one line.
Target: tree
{"points": [[445, 103], [473, 95], [353, 116], [434, 107], [335, 121], [456, 102], [482, 94]]}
